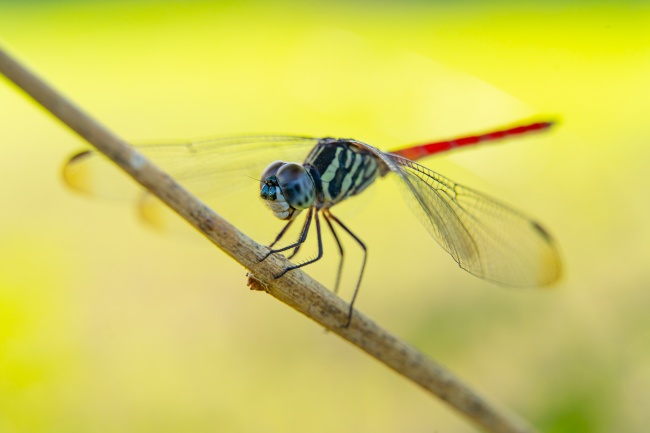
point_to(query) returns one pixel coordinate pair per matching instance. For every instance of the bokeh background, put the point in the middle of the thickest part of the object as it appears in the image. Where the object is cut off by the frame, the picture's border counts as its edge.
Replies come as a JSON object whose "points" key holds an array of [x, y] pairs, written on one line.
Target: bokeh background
{"points": [[107, 325]]}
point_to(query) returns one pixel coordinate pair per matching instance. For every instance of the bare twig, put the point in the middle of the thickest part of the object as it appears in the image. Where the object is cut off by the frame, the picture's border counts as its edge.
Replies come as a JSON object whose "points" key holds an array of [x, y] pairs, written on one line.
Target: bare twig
{"points": [[296, 288]]}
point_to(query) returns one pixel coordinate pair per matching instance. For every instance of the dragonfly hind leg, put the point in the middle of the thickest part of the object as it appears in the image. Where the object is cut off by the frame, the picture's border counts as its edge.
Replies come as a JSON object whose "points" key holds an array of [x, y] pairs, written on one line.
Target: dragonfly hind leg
{"points": [[328, 215]]}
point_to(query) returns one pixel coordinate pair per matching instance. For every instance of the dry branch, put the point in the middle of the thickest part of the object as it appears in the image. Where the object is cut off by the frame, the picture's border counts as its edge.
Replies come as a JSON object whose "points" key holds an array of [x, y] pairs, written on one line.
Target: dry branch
{"points": [[296, 288]]}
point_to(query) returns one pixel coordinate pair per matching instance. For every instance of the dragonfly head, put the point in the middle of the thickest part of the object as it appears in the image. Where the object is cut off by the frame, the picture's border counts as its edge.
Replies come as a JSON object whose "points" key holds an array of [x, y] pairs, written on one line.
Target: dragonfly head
{"points": [[287, 188]]}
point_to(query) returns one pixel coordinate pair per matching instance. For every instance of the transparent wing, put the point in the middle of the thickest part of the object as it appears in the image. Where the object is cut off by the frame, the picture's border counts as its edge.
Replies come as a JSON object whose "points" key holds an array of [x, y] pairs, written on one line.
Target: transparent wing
{"points": [[224, 173], [210, 169], [485, 237]]}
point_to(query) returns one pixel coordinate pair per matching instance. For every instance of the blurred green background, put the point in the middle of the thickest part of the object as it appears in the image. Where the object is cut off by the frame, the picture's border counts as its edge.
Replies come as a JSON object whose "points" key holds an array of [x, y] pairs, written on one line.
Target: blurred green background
{"points": [[108, 326]]}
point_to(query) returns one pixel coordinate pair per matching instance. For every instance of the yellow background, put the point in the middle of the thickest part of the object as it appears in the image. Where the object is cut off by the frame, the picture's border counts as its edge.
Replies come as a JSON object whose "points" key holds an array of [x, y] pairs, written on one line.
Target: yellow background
{"points": [[108, 326]]}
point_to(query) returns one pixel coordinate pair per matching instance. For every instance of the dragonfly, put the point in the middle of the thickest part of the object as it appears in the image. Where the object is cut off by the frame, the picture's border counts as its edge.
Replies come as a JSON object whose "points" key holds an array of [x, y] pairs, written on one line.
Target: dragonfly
{"points": [[485, 237]]}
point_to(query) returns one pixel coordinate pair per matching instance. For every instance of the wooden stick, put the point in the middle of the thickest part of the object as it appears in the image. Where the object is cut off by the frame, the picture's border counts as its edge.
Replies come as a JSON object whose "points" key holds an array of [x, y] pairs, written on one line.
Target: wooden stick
{"points": [[296, 289]]}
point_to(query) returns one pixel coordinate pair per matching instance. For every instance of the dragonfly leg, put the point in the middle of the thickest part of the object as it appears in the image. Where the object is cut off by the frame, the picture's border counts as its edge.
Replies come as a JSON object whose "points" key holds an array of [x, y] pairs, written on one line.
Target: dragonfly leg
{"points": [[295, 251], [301, 239], [295, 245], [363, 265], [320, 249], [281, 234], [326, 215]]}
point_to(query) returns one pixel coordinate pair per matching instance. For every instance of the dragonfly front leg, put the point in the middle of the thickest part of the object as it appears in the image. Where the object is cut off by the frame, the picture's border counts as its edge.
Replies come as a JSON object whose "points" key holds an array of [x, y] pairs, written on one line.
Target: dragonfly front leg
{"points": [[280, 235], [300, 241], [303, 236], [296, 245]]}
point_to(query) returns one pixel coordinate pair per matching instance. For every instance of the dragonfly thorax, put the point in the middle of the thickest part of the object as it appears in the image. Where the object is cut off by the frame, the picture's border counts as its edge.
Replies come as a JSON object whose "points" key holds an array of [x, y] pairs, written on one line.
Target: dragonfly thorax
{"points": [[287, 188]]}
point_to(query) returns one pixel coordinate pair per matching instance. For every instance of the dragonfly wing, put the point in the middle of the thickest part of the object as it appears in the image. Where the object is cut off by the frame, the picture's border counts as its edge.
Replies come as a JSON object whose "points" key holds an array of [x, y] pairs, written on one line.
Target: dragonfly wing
{"points": [[210, 169], [485, 237]]}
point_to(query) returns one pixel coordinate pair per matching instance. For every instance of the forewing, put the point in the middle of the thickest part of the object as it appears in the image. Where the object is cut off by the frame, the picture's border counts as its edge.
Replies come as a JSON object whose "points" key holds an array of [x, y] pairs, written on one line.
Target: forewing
{"points": [[485, 237], [210, 169]]}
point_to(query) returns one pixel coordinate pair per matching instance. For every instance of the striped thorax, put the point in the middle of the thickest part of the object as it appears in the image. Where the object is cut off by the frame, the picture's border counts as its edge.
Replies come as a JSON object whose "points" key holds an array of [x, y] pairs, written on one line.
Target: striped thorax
{"points": [[340, 169]]}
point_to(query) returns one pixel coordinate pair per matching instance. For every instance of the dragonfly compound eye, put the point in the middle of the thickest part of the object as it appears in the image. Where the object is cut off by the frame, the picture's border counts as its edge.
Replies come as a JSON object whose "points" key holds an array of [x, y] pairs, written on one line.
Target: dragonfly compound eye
{"points": [[296, 185], [286, 188]]}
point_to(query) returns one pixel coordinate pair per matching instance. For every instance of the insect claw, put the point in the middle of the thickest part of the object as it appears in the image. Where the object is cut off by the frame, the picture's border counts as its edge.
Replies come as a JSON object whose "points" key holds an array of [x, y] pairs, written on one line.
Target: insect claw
{"points": [[349, 320], [266, 256], [284, 271]]}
